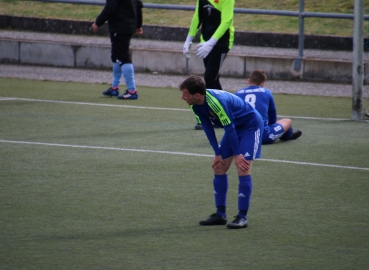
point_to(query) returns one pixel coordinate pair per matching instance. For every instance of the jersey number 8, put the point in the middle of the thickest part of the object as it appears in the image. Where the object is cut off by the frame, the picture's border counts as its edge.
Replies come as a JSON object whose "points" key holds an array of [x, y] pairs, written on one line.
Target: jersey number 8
{"points": [[251, 99]]}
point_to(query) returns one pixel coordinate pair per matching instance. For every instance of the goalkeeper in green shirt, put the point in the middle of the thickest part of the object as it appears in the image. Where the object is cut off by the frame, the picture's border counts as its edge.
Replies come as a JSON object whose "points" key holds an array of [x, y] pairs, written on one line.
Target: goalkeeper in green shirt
{"points": [[215, 18]]}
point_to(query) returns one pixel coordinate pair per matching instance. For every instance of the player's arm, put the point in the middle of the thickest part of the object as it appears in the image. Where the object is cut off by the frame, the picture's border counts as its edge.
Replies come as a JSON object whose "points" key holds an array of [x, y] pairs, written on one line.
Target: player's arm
{"points": [[227, 13], [139, 14], [194, 28], [207, 126], [195, 22], [110, 7], [230, 135], [226, 118]]}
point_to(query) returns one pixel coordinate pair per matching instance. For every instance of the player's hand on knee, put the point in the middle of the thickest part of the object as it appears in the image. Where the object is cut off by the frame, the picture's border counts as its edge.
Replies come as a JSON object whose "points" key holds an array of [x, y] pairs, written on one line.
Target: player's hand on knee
{"points": [[218, 162], [242, 163]]}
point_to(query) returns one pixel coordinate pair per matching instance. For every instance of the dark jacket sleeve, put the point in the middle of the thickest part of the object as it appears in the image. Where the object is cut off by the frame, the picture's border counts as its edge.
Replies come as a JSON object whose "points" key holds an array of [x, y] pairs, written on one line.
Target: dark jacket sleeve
{"points": [[122, 16], [139, 14], [109, 9]]}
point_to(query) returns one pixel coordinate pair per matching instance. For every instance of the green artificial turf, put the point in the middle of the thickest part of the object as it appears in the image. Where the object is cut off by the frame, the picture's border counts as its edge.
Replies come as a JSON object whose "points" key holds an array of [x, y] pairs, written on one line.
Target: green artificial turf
{"points": [[88, 182]]}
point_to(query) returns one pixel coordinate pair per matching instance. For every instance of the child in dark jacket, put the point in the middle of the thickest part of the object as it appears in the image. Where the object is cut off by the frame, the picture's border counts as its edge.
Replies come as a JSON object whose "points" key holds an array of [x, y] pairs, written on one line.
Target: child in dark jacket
{"points": [[124, 19]]}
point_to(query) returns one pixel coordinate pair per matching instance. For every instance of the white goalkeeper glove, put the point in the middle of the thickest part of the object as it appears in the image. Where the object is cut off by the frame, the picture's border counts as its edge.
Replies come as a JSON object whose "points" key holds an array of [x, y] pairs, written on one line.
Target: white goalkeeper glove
{"points": [[187, 45], [203, 49]]}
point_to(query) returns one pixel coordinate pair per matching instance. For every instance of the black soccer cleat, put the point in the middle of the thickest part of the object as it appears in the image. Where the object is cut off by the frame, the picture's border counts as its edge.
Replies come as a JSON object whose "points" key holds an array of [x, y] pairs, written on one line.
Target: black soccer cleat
{"points": [[110, 92], [238, 223], [214, 219], [128, 95], [198, 127], [296, 134]]}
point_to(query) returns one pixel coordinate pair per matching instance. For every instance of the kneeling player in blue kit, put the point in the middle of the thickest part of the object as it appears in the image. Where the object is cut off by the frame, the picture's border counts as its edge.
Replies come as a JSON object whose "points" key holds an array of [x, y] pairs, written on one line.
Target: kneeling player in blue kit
{"points": [[241, 142], [262, 100]]}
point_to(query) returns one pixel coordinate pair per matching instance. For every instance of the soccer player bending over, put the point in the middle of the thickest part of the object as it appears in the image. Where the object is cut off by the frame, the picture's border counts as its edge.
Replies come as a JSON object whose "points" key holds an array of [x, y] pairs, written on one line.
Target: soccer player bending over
{"points": [[262, 100], [241, 142]]}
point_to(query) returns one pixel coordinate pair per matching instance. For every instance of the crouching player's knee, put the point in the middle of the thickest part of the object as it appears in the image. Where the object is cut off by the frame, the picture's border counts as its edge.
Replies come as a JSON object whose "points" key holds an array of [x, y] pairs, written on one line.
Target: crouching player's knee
{"points": [[221, 166]]}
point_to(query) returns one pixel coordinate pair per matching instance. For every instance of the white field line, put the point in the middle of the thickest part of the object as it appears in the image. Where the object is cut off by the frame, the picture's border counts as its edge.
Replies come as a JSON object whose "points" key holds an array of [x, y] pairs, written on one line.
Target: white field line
{"points": [[178, 153], [314, 118], [148, 108], [95, 104]]}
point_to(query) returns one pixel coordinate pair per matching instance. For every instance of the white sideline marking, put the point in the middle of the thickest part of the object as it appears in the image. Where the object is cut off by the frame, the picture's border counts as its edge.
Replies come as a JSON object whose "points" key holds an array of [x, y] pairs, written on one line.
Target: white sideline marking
{"points": [[5, 98], [178, 153], [314, 118], [149, 108], [96, 104]]}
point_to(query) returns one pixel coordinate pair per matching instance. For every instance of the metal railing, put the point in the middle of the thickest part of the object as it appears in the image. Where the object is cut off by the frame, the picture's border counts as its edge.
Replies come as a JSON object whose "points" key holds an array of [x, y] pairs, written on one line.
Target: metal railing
{"points": [[300, 13]]}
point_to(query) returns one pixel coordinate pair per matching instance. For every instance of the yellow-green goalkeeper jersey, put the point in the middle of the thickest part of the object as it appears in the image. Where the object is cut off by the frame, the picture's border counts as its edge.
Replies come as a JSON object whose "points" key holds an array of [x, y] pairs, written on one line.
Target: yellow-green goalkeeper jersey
{"points": [[215, 18]]}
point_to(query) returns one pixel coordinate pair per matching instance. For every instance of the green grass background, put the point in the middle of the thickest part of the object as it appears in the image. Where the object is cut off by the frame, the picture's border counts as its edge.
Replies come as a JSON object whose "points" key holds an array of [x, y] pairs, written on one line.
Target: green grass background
{"points": [[242, 22], [79, 208]]}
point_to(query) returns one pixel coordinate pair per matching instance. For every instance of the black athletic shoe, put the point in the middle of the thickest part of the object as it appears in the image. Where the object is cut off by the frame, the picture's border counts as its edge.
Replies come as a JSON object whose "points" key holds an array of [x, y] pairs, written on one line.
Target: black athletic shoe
{"points": [[128, 95], [296, 134], [214, 219], [238, 223], [110, 92], [198, 127]]}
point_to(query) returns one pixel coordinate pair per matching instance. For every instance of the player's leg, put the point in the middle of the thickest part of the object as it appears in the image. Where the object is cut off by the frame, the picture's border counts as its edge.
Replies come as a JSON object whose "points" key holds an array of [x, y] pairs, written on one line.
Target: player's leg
{"points": [[113, 90], [220, 185], [285, 123], [250, 146], [123, 57], [273, 132], [289, 133], [117, 75]]}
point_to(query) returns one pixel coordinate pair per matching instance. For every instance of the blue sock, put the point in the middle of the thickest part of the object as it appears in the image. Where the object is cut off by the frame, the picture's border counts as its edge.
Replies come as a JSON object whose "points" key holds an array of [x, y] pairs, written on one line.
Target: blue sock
{"points": [[287, 135], [220, 184], [117, 75], [129, 76], [244, 194]]}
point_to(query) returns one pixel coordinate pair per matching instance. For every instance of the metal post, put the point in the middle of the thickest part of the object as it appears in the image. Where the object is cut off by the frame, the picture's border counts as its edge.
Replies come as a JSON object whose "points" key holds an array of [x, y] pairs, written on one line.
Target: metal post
{"points": [[297, 63], [357, 64]]}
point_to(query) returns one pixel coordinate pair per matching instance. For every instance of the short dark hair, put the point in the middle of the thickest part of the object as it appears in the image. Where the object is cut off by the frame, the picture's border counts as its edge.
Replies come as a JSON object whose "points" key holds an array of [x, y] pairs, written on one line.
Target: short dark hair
{"points": [[194, 84], [257, 77]]}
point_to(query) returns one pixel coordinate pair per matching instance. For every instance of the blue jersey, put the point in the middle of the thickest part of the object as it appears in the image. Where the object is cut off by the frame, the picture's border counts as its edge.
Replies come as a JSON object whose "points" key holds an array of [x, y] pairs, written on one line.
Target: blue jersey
{"points": [[262, 100], [228, 111]]}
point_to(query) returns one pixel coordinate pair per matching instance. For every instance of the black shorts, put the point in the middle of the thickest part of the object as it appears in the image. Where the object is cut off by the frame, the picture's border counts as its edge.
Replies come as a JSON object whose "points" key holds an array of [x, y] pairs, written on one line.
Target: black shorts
{"points": [[120, 48]]}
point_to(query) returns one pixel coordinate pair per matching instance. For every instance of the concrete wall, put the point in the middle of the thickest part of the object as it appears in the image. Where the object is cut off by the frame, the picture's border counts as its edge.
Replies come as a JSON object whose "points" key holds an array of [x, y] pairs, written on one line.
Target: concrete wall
{"points": [[9, 51], [170, 61]]}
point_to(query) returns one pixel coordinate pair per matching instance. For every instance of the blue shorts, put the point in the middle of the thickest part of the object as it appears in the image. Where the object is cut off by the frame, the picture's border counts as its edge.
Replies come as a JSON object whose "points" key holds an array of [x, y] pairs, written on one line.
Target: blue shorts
{"points": [[272, 133], [250, 144]]}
